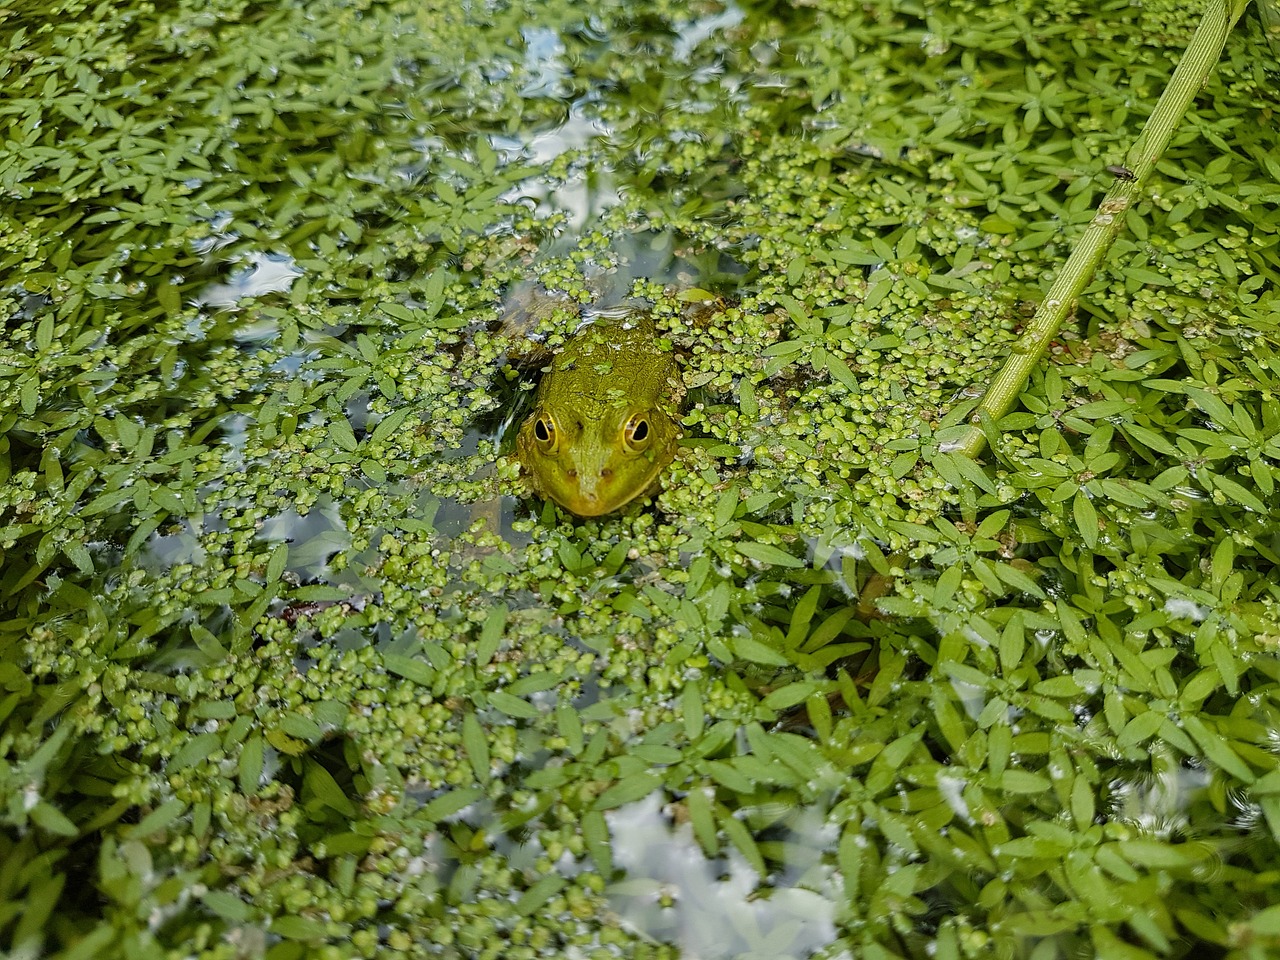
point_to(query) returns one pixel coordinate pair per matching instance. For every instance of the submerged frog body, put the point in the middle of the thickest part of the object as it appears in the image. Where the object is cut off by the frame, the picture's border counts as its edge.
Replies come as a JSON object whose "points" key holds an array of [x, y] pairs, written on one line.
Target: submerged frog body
{"points": [[604, 422]]}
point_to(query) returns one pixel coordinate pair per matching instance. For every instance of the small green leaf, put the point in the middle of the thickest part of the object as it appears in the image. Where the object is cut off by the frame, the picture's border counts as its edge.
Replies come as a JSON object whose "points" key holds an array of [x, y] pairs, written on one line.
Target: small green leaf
{"points": [[790, 695], [295, 927], [1238, 492], [1024, 781], [1266, 922], [741, 838], [703, 821], [595, 832], [1098, 409], [537, 896], [1149, 439], [1017, 579], [52, 820], [194, 751], [277, 562], [569, 725], [44, 333], [78, 554], [227, 905], [411, 668], [491, 634], [512, 706], [768, 554], [1217, 749], [304, 728], [629, 789], [691, 710], [342, 435], [476, 743], [447, 804], [1083, 806], [158, 819], [250, 765], [1086, 519], [1158, 854], [749, 648], [1140, 728], [320, 784]]}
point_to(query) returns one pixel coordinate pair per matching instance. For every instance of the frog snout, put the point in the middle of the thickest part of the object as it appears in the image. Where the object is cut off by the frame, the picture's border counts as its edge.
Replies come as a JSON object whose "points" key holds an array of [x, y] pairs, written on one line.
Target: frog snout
{"points": [[590, 481]]}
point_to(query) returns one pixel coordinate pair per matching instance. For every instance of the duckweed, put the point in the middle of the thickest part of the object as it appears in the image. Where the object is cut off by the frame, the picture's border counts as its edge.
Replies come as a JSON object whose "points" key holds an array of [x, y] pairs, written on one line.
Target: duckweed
{"points": [[293, 667]]}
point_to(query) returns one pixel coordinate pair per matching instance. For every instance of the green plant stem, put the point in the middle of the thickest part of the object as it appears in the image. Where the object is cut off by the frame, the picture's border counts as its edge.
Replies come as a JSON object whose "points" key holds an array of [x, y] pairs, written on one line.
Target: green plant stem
{"points": [[1189, 77]]}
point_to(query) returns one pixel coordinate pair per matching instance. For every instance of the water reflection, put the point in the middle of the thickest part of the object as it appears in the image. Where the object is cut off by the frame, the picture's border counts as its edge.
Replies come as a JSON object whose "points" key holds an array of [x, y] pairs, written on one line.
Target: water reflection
{"points": [[544, 63], [587, 189], [314, 537], [720, 908], [703, 28], [265, 273], [174, 544], [1160, 802]]}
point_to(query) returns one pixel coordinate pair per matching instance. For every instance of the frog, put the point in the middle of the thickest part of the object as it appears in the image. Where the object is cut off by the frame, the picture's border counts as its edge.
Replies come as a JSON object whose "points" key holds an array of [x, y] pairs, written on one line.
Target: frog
{"points": [[605, 421]]}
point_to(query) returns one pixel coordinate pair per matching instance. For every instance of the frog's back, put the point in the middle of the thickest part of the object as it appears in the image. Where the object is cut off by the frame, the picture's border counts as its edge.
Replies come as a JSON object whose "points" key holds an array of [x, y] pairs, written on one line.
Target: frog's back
{"points": [[611, 359]]}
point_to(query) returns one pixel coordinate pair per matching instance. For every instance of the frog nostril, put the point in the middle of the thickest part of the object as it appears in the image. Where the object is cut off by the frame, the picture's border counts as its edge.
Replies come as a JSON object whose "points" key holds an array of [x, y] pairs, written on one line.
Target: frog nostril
{"points": [[606, 473], [572, 474]]}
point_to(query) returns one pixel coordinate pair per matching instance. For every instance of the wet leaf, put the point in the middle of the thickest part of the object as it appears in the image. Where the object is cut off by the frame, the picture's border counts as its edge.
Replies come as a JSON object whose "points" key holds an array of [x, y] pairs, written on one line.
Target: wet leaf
{"points": [[628, 790], [768, 554], [476, 743]]}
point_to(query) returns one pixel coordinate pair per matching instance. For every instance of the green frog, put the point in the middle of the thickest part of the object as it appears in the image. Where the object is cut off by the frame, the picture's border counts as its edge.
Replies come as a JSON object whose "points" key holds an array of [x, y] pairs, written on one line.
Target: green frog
{"points": [[605, 420]]}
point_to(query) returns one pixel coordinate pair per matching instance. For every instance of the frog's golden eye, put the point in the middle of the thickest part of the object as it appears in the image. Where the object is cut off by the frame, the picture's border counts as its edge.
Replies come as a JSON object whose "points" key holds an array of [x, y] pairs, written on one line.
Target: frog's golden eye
{"points": [[637, 434], [544, 433]]}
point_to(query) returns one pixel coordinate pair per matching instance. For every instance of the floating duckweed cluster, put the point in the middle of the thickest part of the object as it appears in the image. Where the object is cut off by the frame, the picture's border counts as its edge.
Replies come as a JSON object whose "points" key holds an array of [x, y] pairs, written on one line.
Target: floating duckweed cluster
{"points": [[292, 664]]}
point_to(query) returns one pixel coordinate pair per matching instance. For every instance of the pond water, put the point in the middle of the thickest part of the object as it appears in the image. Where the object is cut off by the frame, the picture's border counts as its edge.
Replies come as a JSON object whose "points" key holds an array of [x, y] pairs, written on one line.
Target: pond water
{"points": [[294, 665]]}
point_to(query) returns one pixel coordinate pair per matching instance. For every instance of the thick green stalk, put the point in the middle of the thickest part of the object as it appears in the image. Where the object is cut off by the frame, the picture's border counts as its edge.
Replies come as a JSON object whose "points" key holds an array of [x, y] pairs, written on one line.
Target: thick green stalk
{"points": [[1192, 72]]}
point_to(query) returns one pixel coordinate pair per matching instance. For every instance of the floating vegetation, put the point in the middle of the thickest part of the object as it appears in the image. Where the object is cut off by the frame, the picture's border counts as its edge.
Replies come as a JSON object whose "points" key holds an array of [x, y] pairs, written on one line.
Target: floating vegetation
{"points": [[292, 667]]}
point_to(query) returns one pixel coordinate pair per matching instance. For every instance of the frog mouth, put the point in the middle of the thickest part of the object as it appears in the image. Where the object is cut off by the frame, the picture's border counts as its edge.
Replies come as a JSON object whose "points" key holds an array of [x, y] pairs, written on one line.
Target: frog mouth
{"points": [[591, 497]]}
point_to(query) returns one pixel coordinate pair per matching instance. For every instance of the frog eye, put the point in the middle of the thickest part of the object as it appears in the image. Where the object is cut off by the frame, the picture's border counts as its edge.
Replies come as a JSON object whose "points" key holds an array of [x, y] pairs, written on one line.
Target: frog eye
{"points": [[544, 433], [637, 434]]}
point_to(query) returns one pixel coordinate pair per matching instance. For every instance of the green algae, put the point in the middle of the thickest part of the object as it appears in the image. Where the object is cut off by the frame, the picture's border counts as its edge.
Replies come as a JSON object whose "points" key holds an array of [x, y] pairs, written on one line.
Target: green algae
{"points": [[270, 692]]}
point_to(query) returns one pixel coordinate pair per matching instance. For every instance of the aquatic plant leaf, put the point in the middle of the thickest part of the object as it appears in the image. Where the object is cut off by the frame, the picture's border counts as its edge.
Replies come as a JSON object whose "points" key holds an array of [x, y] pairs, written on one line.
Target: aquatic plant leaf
{"points": [[747, 647], [250, 764], [227, 905], [159, 819], [450, 803], [476, 743], [410, 668], [512, 706], [320, 784], [538, 895], [299, 928], [628, 790], [768, 554]]}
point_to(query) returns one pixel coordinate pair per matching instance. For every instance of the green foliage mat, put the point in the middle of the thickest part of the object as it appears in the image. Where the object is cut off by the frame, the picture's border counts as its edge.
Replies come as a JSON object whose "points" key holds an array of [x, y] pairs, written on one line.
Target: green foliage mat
{"points": [[272, 685]]}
